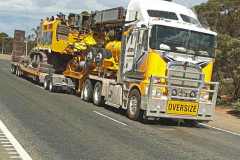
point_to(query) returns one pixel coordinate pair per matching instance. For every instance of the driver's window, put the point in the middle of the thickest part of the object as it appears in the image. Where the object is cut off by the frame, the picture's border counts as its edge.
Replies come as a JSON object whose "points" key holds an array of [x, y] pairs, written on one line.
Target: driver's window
{"points": [[142, 44], [145, 40]]}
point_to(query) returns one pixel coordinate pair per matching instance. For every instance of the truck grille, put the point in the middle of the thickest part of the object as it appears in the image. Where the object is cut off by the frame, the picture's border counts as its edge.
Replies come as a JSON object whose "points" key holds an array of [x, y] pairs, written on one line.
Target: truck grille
{"points": [[184, 81]]}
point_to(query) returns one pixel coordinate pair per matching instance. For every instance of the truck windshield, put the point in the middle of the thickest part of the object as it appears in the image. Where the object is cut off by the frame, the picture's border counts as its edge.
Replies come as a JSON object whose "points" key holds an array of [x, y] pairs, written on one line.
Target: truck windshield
{"points": [[181, 40]]}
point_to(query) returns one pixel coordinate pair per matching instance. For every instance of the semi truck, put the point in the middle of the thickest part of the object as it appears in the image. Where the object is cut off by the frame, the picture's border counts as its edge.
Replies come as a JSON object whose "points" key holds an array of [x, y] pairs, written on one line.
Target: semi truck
{"points": [[154, 60]]}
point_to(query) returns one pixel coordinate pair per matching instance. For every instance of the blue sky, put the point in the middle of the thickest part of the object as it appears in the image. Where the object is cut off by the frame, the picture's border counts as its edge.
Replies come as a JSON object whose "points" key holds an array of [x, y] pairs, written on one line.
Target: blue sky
{"points": [[26, 14]]}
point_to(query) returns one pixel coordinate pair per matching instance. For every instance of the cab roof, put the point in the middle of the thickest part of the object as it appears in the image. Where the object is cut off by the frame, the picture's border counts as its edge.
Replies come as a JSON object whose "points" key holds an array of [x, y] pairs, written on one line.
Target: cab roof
{"points": [[140, 9]]}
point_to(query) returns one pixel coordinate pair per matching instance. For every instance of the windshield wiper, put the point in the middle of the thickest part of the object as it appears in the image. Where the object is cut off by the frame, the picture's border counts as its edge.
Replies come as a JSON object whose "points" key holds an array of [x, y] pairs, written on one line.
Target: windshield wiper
{"points": [[173, 42], [181, 49]]}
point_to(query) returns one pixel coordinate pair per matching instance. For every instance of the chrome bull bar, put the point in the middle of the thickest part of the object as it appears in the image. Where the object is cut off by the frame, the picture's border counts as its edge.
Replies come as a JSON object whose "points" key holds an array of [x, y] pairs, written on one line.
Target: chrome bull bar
{"points": [[163, 95]]}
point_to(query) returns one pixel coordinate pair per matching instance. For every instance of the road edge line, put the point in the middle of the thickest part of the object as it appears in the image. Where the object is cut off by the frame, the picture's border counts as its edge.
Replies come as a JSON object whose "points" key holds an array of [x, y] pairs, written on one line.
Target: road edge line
{"points": [[110, 118], [220, 129], [23, 154]]}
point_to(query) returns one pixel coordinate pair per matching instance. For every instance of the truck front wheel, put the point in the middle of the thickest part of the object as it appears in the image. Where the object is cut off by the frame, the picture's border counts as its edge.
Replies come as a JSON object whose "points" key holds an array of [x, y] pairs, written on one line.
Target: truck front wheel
{"points": [[134, 101], [97, 94], [87, 91]]}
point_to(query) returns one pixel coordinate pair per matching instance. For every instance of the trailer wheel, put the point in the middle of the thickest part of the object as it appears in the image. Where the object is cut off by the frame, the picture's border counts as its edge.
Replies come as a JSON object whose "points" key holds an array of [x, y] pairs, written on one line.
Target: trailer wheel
{"points": [[87, 91], [52, 88], [17, 72], [45, 84], [133, 110], [20, 73], [97, 96], [13, 69]]}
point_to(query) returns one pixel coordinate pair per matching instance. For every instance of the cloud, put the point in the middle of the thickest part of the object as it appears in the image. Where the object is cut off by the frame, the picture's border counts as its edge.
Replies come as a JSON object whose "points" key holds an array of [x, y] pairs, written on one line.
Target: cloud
{"points": [[26, 14]]}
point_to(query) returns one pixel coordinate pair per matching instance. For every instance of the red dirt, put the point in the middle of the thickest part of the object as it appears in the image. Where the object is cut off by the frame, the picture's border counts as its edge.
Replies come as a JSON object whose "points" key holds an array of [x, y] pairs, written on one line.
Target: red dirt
{"points": [[226, 118]]}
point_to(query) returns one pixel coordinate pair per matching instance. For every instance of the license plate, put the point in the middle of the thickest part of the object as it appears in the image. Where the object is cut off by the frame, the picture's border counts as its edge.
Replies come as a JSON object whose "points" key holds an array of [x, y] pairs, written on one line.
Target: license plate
{"points": [[182, 108]]}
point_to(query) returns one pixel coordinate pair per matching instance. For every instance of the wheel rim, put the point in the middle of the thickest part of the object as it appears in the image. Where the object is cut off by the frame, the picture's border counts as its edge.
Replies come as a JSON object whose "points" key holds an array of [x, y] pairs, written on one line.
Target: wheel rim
{"points": [[133, 102], [45, 84], [50, 86], [85, 92], [97, 94]]}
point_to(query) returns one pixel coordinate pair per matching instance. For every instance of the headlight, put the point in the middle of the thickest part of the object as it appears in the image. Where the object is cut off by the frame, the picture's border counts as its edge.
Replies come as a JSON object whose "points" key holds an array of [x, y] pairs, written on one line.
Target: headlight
{"points": [[155, 91], [205, 96]]}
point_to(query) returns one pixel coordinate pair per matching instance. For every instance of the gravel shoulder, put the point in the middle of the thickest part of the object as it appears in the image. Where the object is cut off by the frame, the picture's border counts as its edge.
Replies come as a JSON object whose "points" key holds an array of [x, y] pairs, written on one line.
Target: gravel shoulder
{"points": [[226, 118]]}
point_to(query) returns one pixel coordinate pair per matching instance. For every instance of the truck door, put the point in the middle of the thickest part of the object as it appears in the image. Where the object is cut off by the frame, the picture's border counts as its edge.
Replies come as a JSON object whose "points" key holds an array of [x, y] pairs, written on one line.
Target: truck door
{"points": [[141, 48], [130, 51]]}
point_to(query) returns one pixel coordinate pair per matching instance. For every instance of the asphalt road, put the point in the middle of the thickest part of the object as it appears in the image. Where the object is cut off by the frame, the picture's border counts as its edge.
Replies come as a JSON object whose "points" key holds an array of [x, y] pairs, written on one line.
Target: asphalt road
{"points": [[54, 126]]}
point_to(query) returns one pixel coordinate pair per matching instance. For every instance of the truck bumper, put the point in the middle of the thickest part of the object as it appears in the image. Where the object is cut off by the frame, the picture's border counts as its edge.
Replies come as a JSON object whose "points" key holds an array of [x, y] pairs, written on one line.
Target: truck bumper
{"points": [[157, 108]]}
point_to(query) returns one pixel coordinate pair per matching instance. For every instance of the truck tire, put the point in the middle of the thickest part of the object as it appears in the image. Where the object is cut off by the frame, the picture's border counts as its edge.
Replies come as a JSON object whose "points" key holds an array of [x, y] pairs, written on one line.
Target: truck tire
{"points": [[52, 88], [21, 73], [134, 111], [18, 72], [13, 69], [97, 94], [87, 91], [45, 84]]}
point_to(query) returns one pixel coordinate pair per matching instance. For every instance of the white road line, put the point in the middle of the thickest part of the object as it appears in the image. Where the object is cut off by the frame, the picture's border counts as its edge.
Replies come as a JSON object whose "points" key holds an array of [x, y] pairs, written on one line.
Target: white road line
{"points": [[110, 118], [23, 154], [7, 145], [6, 142], [220, 129], [15, 157], [13, 153], [9, 149]]}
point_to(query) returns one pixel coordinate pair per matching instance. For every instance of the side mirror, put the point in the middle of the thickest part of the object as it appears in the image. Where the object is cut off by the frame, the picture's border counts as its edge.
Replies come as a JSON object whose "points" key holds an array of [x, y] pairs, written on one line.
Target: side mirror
{"points": [[136, 16], [143, 26]]}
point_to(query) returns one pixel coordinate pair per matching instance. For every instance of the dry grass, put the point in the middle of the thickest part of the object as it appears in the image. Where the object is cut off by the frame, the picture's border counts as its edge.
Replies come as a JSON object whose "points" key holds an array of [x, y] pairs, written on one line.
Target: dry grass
{"points": [[5, 57]]}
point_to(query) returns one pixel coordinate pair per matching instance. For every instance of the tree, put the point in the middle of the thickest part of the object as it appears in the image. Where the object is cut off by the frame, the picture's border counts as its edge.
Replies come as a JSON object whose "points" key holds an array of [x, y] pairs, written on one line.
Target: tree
{"points": [[5, 43], [223, 16], [228, 62]]}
